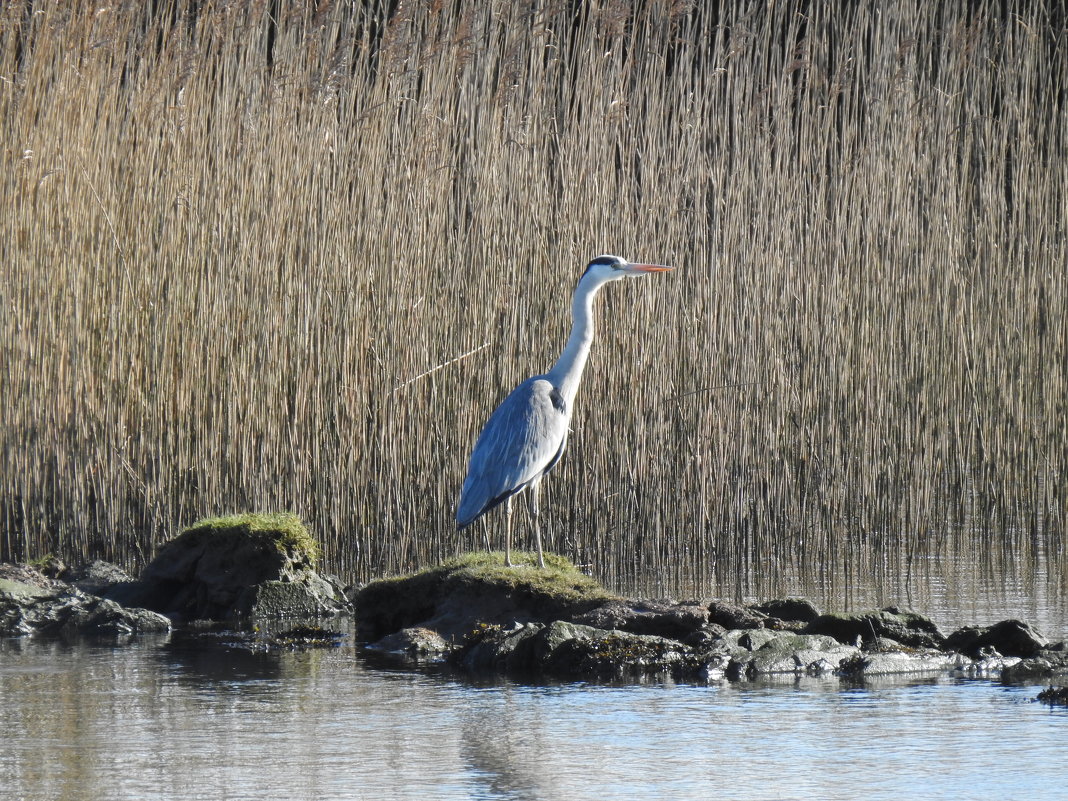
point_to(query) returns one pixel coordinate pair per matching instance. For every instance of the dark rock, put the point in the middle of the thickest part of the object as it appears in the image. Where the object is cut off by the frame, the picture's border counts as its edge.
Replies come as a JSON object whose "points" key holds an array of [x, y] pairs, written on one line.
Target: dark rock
{"points": [[966, 640], [1008, 638], [570, 650], [659, 618], [491, 648], [907, 628], [789, 609], [564, 649], [97, 576], [224, 568], [708, 635], [1054, 696], [573, 650], [880, 645], [311, 596], [27, 574], [28, 609], [54, 568], [1044, 666], [416, 643], [556, 622], [734, 616], [391, 605]]}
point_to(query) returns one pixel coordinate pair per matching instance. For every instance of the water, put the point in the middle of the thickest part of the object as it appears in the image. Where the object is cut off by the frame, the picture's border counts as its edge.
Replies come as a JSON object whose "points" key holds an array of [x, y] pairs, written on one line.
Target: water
{"points": [[158, 720]]}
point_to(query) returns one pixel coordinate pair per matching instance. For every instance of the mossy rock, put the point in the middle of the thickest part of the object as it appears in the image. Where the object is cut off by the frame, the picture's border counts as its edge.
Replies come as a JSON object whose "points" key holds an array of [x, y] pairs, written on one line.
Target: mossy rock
{"points": [[247, 549], [283, 531], [458, 594], [234, 566]]}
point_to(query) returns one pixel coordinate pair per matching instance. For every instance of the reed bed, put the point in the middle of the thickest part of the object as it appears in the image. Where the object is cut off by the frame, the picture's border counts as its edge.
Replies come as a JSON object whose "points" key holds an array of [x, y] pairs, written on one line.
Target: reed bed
{"points": [[267, 256]]}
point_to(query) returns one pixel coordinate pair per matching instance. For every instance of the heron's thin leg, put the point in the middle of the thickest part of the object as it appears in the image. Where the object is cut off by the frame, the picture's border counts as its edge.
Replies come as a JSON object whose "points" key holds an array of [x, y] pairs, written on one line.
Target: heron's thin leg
{"points": [[534, 518], [508, 532]]}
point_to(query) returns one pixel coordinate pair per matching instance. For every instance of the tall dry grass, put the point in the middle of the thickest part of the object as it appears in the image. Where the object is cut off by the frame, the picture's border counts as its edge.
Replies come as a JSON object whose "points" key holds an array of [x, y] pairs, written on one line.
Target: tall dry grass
{"points": [[286, 255]]}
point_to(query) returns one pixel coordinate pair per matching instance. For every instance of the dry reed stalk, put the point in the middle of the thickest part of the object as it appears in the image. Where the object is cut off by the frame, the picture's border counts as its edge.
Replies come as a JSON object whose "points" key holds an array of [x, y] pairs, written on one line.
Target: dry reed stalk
{"points": [[232, 234]]}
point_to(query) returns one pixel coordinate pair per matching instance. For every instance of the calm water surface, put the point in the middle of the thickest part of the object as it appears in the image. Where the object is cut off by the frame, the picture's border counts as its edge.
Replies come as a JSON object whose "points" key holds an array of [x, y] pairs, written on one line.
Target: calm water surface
{"points": [[159, 720]]}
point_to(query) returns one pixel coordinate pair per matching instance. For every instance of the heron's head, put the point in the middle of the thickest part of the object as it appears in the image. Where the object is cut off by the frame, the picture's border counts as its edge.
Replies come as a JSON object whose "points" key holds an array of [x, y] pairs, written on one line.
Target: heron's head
{"points": [[611, 268]]}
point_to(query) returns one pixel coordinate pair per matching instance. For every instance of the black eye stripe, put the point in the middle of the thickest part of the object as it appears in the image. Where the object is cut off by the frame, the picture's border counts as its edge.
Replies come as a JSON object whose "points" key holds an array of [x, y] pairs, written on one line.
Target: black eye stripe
{"points": [[608, 261]]}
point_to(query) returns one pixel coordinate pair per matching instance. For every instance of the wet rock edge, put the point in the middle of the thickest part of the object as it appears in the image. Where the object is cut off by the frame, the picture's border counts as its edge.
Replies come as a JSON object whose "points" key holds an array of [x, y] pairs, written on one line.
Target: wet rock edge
{"points": [[482, 627], [504, 631]]}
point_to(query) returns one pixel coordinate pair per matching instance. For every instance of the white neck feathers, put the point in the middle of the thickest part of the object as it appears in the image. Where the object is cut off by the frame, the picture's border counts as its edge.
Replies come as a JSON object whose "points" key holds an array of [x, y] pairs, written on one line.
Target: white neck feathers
{"points": [[566, 374]]}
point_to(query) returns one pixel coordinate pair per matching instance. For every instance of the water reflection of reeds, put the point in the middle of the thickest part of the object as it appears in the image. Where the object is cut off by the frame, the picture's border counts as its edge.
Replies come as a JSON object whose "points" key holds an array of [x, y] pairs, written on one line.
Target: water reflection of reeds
{"points": [[237, 244]]}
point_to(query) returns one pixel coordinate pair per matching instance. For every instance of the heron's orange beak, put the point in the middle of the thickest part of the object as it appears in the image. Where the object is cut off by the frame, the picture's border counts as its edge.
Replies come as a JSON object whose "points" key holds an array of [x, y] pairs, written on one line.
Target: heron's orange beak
{"points": [[648, 268]]}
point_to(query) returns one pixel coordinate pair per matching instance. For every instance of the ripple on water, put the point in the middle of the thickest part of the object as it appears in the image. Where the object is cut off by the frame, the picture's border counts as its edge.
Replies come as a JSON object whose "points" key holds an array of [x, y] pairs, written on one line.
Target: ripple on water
{"points": [[147, 722]]}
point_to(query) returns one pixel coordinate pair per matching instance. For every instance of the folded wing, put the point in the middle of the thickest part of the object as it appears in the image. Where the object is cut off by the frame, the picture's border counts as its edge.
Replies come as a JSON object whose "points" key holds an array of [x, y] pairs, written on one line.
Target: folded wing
{"points": [[524, 437]]}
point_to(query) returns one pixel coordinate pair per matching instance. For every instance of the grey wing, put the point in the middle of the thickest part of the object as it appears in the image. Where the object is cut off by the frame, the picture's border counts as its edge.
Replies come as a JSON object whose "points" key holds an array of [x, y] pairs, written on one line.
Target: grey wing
{"points": [[523, 438]]}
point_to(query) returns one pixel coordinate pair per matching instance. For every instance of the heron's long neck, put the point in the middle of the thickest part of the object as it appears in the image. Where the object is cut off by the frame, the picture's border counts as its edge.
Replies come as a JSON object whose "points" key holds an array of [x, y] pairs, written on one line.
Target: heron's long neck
{"points": [[566, 374]]}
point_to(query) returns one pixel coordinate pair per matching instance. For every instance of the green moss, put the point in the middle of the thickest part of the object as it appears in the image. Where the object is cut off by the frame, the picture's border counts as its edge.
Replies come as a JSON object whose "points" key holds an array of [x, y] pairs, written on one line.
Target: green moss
{"points": [[43, 561], [49, 564], [559, 580], [283, 530]]}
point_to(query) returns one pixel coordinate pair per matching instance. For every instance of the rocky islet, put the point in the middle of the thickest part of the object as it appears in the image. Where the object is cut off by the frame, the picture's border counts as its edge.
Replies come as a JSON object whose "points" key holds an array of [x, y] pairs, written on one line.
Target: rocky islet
{"points": [[476, 615]]}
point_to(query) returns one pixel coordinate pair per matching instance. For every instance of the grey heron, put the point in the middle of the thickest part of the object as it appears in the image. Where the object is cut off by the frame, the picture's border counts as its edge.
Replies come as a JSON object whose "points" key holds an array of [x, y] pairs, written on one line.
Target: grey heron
{"points": [[526, 435]]}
